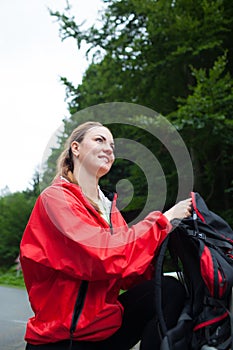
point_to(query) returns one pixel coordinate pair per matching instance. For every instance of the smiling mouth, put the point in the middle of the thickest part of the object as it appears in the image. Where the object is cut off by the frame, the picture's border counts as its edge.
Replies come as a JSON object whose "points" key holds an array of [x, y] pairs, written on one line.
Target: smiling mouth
{"points": [[105, 159]]}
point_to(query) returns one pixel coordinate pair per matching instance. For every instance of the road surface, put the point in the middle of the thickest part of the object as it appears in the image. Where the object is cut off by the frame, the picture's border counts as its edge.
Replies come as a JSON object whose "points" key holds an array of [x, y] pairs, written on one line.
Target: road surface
{"points": [[14, 313]]}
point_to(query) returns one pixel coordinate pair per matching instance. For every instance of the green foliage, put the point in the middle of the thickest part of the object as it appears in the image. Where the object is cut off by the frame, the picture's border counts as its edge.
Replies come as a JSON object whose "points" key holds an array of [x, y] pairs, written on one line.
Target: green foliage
{"points": [[142, 51], [206, 123], [11, 277], [211, 101], [166, 55], [14, 214]]}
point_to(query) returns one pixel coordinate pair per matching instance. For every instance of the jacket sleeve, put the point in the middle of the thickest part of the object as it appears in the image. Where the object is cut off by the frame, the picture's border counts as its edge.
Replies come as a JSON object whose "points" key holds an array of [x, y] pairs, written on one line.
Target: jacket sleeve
{"points": [[61, 234]]}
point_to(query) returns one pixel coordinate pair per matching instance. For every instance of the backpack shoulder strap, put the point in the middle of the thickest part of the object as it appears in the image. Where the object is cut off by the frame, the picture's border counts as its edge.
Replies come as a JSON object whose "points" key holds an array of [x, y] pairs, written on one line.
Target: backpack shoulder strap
{"points": [[158, 285]]}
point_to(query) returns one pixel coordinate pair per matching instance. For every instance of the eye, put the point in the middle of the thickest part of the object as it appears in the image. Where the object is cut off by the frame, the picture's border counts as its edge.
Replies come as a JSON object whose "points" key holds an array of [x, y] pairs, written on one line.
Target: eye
{"points": [[99, 139]]}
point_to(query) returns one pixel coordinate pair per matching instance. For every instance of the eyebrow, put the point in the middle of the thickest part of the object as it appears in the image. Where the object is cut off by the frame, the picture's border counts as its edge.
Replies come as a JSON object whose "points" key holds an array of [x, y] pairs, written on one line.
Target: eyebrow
{"points": [[104, 138]]}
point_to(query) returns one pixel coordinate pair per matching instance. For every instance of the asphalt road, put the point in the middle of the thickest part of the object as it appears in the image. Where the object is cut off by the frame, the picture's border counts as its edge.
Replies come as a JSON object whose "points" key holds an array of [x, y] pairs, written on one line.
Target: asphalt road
{"points": [[14, 312]]}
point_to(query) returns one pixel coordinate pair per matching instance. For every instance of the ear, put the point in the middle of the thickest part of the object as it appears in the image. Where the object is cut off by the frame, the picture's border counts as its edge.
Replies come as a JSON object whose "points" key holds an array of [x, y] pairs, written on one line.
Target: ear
{"points": [[75, 148]]}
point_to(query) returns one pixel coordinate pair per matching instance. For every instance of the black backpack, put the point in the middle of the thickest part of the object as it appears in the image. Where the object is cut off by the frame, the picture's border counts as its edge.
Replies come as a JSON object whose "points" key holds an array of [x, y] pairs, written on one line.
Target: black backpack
{"points": [[201, 248]]}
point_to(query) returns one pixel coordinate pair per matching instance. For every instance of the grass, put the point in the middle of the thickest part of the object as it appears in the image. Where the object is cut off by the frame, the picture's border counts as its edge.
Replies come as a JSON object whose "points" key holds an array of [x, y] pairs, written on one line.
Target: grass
{"points": [[11, 277]]}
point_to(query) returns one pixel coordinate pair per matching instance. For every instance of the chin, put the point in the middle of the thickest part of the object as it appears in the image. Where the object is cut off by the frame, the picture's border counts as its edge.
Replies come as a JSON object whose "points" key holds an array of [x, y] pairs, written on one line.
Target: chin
{"points": [[103, 171]]}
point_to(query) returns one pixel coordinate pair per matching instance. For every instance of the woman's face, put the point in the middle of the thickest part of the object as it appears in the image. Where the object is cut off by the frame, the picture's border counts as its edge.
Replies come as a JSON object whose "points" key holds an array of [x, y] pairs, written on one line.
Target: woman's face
{"points": [[96, 151]]}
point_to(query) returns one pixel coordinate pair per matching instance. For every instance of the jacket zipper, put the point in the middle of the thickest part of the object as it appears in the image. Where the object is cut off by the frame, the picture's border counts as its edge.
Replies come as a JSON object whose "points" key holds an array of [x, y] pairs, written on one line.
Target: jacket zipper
{"points": [[79, 303], [110, 219]]}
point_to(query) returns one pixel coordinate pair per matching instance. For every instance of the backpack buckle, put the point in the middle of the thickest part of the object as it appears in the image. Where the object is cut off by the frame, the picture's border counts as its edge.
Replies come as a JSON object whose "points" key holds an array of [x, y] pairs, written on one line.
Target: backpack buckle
{"points": [[201, 235]]}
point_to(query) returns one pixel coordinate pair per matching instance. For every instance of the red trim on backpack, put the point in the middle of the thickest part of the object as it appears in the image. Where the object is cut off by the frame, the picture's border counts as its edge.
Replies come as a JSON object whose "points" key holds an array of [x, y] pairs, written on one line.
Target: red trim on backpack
{"points": [[207, 272], [195, 207], [207, 269], [210, 322]]}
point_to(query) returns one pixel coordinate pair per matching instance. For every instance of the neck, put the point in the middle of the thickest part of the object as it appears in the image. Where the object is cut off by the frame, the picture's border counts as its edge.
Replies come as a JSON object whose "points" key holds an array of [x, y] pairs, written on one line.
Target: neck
{"points": [[88, 184], [90, 191]]}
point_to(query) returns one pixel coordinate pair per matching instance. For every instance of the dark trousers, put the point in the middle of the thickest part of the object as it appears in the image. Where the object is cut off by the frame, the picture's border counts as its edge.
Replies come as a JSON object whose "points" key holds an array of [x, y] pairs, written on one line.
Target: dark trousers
{"points": [[139, 320]]}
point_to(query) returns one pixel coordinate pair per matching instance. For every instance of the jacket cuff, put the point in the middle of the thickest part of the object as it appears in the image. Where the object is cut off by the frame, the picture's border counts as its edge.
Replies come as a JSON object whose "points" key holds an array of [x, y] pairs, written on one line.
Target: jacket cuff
{"points": [[164, 223]]}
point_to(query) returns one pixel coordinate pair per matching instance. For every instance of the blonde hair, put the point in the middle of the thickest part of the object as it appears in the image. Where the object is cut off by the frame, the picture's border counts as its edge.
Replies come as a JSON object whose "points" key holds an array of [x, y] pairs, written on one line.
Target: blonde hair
{"points": [[65, 163]]}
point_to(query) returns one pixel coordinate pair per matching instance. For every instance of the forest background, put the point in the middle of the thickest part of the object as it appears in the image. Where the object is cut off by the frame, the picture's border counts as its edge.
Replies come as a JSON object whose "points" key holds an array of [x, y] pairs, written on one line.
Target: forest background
{"points": [[172, 56]]}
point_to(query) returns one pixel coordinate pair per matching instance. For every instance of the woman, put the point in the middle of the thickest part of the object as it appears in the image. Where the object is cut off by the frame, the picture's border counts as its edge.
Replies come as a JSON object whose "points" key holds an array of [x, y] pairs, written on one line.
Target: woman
{"points": [[77, 253]]}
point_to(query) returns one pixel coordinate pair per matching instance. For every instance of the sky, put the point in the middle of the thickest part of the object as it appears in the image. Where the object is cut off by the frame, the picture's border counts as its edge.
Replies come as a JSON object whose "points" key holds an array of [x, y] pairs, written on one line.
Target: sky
{"points": [[32, 98]]}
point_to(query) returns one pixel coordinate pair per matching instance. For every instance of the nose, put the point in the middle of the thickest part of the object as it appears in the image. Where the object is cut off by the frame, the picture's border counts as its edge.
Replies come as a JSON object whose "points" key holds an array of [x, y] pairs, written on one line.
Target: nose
{"points": [[108, 149]]}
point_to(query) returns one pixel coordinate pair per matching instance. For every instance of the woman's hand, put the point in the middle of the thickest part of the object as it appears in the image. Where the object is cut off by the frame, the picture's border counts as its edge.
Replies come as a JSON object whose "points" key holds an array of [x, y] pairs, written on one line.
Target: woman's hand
{"points": [[180, 211]]}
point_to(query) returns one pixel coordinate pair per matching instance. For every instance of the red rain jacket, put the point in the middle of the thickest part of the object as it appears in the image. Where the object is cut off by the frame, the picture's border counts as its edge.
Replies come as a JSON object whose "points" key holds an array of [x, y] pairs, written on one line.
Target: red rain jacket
{"points": [[66, 242]]}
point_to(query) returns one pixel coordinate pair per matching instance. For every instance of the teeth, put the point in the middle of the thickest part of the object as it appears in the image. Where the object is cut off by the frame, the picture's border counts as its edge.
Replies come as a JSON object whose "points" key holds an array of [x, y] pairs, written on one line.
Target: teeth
{"points": [[105, 159]]}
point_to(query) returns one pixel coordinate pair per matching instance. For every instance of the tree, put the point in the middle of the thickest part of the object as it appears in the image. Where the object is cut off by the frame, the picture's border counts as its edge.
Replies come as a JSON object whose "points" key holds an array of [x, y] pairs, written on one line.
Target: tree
{"points": [[14, 214], [15, 211], [206, 122], [35, 186], [142, 51]]}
